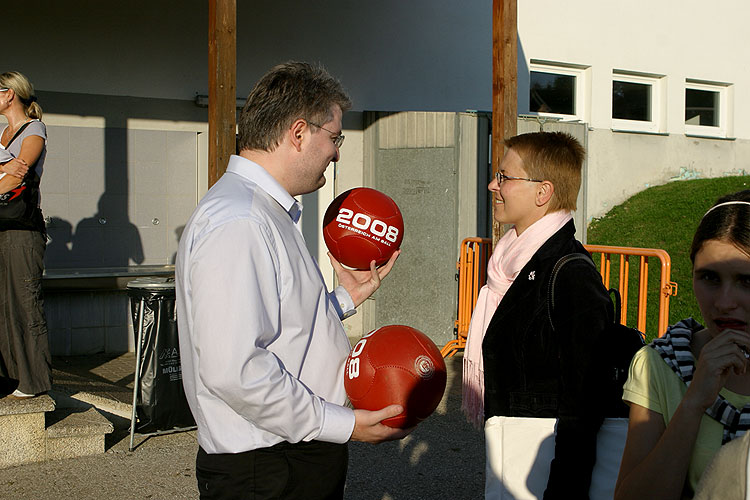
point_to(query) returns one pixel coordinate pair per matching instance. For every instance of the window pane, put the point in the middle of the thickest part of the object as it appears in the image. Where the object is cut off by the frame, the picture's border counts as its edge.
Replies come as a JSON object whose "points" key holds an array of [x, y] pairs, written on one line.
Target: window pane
{"points": [[552, 93], [702, 107], [631, 101]]}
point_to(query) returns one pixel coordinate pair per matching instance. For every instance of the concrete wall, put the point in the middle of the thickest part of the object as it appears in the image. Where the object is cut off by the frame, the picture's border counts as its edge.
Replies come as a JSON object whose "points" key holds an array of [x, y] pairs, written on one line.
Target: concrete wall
{"points": [[110, 75], [622, 165], [122, 177], [111, 72], [435, 167], [677, 40], [668, 41]]}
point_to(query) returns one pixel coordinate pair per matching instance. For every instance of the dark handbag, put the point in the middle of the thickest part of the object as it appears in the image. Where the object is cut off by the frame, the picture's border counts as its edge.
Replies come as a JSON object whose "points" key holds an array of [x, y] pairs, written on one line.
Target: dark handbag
{"points": [[616, 345], [19, 206]]}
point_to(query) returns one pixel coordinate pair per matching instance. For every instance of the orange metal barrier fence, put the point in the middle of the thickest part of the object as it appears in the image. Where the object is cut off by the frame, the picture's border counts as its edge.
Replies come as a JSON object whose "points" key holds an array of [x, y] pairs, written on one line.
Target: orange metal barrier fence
{"points": [[667, 288], [472, 275]]}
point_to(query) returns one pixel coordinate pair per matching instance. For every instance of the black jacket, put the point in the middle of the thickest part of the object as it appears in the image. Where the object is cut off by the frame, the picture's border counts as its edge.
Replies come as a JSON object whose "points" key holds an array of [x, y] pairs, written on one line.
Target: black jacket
{"points": [[531, 371]]}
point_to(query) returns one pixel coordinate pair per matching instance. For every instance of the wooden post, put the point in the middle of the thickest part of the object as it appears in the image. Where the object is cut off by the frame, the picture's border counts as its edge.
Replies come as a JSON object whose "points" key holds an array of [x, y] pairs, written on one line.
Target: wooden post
{"points": [[222, 71], [504, 83]]}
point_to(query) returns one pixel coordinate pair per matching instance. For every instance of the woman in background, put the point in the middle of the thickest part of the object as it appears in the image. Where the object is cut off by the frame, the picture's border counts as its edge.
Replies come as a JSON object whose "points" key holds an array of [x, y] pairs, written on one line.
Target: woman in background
{"points": [[25, 366], [689, 391]]}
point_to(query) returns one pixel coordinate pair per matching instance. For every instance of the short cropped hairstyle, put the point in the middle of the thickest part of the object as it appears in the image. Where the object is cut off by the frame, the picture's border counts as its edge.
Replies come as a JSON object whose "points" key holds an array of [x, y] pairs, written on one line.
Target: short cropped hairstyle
{"points": [[728, 222], [288, 92], [24, 92], [556, 157]]}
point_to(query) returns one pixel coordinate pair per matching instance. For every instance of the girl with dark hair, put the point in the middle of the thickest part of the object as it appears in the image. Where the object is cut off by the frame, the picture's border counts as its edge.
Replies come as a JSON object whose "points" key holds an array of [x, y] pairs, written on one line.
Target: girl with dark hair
{"points": [[689, 391]]}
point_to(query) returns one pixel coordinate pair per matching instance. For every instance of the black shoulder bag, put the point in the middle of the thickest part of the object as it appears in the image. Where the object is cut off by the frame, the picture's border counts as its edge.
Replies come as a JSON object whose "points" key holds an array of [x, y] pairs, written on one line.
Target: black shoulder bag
{"points": [[19, 206], [615, 348]]}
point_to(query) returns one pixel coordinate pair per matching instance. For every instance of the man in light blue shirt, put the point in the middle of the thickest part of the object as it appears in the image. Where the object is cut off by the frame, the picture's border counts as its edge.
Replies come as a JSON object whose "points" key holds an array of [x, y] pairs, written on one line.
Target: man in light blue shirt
{"points": [[261, 339]]}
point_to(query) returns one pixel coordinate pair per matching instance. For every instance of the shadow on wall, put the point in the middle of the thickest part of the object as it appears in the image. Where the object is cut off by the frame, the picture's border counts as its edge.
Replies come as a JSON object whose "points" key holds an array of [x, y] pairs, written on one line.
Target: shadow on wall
{"points": [[443, 459], [60, 245], [106, 239], [139, 180], [115, 195]]}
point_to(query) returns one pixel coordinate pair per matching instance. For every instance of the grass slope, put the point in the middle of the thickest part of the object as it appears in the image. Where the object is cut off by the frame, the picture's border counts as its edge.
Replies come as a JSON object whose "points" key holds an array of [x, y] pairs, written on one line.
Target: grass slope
{"points": [[662, 217]]}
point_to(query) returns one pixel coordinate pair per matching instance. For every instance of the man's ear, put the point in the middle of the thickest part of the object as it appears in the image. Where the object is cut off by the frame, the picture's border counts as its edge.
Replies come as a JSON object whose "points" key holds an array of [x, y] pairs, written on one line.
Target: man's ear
{"points": [[544, 193], [296, 132]]}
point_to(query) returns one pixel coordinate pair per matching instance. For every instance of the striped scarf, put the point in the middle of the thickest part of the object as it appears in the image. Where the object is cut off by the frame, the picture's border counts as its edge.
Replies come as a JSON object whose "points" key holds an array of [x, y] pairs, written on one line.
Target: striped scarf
{"points": [[674, 349]]}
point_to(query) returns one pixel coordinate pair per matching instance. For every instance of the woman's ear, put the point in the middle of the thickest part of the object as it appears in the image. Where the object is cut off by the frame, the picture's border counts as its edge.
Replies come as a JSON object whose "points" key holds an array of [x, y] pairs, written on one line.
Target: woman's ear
{"points": [[9, 95], [544, 193]]}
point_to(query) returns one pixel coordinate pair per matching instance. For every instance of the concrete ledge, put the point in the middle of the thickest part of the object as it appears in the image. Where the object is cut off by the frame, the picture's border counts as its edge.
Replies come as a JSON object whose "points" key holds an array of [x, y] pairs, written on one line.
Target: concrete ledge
{"points": [[77, 422], [22, 438], [22, 435], [105, 278], [73, 432], [72, 447], [67, 398], [13, 406]]}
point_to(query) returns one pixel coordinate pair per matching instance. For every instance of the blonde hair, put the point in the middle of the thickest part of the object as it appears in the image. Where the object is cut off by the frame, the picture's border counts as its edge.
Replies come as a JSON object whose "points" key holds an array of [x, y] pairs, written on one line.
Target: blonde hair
{"points": [[556, 157], [25, 92]]}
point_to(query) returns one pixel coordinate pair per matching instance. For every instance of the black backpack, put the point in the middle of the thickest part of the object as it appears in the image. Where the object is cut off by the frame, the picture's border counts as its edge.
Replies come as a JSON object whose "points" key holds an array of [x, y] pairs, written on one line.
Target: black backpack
{"points": [[617, 345]]}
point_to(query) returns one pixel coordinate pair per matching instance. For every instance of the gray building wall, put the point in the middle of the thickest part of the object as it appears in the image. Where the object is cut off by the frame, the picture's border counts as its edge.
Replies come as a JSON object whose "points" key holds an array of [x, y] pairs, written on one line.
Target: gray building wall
{"points": [[118, 197], [435, 167], [118, 79], [122, 177], [113, 198]]}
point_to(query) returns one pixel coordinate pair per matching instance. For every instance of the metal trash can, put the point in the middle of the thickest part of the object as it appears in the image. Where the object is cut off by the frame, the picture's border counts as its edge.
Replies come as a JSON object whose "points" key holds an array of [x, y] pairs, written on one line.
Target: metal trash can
{"points": [[159, 403]]}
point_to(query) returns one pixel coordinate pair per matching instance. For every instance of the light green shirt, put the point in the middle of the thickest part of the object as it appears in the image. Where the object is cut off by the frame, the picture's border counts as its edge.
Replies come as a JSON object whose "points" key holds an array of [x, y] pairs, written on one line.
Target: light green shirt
{"points": [[653, 385]]}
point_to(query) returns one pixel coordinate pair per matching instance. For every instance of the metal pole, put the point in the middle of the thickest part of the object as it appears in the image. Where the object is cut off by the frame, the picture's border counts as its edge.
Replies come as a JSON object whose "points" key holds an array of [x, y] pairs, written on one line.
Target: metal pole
{"points": [[137, 376]]}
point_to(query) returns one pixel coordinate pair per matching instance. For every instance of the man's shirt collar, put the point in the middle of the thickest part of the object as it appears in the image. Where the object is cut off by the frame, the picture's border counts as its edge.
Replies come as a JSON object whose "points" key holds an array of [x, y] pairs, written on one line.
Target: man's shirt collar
{"points": [[260, 176]]}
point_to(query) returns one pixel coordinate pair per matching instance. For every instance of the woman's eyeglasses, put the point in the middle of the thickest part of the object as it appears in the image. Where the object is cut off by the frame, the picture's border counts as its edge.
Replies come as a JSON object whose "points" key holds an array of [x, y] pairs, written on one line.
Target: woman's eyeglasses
{"points": [[500, 177]]}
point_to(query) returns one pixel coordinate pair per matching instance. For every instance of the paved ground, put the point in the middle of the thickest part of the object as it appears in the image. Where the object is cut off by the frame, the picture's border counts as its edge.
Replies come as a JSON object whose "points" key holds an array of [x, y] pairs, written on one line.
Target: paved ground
{"points": [[443, 459]]}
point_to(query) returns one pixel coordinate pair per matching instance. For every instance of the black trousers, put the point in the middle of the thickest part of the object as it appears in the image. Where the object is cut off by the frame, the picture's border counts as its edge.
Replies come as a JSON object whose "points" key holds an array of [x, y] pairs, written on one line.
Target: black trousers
{"points": [[308, 470], [24, 347]]}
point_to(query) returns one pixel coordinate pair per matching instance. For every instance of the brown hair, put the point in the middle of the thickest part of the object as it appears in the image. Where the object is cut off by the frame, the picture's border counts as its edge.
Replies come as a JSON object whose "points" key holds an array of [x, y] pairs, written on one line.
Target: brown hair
{"points": [[556, 157], [730, 223], [286, 93], [24, 91]]}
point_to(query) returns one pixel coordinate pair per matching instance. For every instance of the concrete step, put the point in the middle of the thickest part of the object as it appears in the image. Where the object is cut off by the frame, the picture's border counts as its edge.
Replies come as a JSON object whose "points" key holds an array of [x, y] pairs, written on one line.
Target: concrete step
{"points": [[22, 435], [49, 427], [74, 397], [76, 432]]}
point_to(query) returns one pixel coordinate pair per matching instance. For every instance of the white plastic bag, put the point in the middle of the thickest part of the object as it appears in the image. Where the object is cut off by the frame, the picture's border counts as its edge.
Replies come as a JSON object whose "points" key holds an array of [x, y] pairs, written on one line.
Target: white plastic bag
{"points": [[520, 450]]}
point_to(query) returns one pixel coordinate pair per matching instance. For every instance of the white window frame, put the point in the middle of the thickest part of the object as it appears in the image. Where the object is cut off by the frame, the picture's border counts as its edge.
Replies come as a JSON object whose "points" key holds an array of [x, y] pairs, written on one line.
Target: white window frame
{"points": [[658, 114], [580, 99], [725, 119]]}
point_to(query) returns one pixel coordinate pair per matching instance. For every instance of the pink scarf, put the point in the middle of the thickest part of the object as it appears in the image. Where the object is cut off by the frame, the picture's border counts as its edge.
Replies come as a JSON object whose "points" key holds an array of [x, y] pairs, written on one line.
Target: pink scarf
{"points": [[510, 255]]}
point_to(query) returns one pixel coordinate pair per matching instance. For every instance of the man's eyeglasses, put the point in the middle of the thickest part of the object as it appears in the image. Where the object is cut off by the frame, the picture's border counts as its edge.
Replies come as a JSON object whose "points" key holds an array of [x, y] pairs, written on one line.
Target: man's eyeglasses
{"points": [[337, 141], [3, 89], [500, 177]]}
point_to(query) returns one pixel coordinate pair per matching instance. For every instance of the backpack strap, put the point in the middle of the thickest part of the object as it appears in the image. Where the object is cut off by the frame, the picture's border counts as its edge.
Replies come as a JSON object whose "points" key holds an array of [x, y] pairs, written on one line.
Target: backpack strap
{"points": [[555, 270], [618, 342], [18, 132]]}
